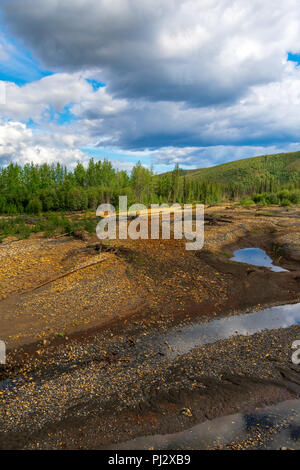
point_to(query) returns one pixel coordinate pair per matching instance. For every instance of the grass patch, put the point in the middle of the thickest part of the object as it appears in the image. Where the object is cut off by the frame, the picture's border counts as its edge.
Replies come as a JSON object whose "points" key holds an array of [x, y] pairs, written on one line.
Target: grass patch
{"points": [[50, 224]]}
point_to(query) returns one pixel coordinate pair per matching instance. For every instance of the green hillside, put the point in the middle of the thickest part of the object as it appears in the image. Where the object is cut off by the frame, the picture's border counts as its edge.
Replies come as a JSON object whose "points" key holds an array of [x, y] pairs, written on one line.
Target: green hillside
{"points": [[266, 179], [280, 169]]}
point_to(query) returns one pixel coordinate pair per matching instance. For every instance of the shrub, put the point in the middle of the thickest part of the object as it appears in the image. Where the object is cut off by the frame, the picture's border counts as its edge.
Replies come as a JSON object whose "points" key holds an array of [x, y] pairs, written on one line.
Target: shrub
{"points": [[246, 202], [34, 206]]}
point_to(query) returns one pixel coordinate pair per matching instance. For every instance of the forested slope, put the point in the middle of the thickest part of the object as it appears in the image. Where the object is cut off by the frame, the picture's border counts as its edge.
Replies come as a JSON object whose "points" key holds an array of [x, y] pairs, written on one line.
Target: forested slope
{"points": [[42, 188]]}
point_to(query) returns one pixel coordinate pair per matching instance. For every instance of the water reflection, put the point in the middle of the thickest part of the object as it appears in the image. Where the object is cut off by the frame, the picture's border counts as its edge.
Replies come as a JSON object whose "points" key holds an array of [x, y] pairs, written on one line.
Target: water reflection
{"points": [[268, 428], [183, 340], [255, 257]]}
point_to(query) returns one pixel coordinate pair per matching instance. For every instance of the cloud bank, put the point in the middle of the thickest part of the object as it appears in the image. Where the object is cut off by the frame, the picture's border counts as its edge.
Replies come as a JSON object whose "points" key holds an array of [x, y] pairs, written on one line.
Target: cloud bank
{"points": [[186, 81]]}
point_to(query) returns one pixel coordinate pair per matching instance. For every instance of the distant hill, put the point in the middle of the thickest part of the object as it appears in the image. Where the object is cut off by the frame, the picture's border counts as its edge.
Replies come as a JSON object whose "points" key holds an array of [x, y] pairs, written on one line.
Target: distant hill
{"points": [[268, 174], [282, 168]]}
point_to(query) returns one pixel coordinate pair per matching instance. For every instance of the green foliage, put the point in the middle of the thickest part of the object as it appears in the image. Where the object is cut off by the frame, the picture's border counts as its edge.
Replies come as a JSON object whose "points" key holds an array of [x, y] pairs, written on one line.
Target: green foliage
{"points": [[246, 202], [32, 189], [15, 226], [50, 224], [265, 174], [34, 206], [77, 200], [284, 197], [269, 169]]}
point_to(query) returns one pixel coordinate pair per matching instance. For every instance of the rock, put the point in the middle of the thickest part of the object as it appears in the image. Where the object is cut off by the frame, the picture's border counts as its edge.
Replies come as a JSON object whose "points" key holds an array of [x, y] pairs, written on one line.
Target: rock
{"points": [[186, 412], [80, 235], [291, 251]]}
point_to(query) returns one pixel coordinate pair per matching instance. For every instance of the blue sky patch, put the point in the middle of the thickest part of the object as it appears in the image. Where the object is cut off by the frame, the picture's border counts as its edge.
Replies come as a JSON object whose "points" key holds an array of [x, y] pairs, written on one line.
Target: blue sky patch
{"points": [[19, 67], [62, 118], [294, 57], [66, 116], [96, 84]]}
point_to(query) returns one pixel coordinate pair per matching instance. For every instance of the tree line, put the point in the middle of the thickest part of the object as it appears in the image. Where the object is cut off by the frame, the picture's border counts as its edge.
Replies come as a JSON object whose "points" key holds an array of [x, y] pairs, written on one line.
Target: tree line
{"points": [[33, 188]]}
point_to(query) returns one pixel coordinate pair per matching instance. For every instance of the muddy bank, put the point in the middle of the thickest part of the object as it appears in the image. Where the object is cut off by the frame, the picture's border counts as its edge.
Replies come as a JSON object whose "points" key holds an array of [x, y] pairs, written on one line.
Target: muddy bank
{"points": [[282, 246], [253, 285], [273, 427], [92, 287], [89, 360], [110, 388]]}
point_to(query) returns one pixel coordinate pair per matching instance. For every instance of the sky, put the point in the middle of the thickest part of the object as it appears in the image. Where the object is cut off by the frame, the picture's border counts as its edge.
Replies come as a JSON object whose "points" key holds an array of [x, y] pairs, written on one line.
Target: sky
{"points": [[193, 82]]}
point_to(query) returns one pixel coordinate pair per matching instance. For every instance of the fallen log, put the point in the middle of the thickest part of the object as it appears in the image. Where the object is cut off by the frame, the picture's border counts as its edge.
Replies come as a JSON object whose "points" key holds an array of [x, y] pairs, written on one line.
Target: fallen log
{"points": [[215, 220], [63, 276]]}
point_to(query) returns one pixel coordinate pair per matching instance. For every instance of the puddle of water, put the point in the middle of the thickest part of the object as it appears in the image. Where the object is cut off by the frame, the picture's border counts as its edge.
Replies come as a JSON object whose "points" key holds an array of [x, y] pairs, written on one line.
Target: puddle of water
{"points": [[277, 426], [255, 257], [183, 340]]}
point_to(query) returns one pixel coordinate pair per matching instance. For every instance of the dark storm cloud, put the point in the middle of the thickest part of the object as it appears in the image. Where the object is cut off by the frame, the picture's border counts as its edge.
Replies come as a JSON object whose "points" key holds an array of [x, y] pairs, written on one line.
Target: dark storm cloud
{"points": [[174, 50], [178, 74]]}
